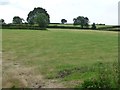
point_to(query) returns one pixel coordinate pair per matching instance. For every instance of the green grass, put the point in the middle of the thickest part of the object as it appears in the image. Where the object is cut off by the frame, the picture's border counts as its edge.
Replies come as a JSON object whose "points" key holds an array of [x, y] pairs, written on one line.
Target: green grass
{"points": [[52, 51]]}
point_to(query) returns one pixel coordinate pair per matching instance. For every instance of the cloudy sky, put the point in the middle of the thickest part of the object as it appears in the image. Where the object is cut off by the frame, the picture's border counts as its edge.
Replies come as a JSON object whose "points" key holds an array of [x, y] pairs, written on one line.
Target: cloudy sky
{"points": [[98, 11]]}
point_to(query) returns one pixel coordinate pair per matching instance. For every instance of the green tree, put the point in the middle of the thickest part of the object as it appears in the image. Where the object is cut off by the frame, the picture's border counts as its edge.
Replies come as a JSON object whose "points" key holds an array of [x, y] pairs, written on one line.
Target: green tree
{"points": [[63, 21], [93, 26], [17, 20], [2, 21], [80, 20], [32, 15], [42, 20], [86, 22], [75, 22]]}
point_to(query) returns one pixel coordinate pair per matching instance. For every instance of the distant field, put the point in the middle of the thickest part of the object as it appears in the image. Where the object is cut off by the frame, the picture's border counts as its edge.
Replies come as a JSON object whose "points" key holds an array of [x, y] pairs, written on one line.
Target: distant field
{"points": [[55, 57]]}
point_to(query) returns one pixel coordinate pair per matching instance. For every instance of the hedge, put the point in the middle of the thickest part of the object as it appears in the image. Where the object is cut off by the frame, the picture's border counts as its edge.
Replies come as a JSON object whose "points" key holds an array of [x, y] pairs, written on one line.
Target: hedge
{"points": [[33, 27], [23, 26]]}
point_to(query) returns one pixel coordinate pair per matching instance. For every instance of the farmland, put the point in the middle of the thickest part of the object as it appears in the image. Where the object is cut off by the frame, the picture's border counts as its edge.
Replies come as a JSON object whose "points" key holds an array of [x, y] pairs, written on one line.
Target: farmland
{"points": [[55, 57]]}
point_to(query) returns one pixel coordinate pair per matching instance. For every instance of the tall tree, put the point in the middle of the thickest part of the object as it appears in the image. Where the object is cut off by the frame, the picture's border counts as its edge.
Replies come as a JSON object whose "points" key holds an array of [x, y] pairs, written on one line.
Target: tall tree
{"points": [[93, 26], [2, 21], [80, 20], [42, 20], [17, 20], [86, 22], [63, 21], [34, 13]]}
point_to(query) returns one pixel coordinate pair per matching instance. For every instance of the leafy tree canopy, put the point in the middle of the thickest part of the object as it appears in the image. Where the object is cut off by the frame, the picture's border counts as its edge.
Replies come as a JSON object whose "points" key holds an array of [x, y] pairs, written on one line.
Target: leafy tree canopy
{"points": [[80, 20], [42, 20], [63, 21], [32, 15], [2, 21], [93, 26], [17, 20]]}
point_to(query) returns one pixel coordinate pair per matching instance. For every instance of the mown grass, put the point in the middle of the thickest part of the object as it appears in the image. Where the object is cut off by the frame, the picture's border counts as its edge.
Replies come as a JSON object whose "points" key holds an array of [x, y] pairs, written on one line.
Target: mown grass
{"points": [[54, 52]]}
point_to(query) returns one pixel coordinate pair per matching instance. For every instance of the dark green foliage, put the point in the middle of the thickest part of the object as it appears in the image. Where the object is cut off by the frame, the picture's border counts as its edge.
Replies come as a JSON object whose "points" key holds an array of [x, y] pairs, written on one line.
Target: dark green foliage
{"points": [[2, 21], [93, 26], [63, 21], [32, 15], [17, 20], [105, 78], [42, 20], [57, 25], [96, 83], [80, 20], [100, 24], [20, 26]]}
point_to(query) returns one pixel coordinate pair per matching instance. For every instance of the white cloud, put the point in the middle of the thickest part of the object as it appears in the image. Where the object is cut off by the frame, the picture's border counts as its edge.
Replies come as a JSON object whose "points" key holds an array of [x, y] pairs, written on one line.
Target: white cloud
{"points": [[99, 11]]}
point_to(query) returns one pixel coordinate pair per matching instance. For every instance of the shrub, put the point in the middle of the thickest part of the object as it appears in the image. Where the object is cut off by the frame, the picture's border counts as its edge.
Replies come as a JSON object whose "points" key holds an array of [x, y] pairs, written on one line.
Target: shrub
{"points": [[96, 83], [107, 77], [93, 26]]}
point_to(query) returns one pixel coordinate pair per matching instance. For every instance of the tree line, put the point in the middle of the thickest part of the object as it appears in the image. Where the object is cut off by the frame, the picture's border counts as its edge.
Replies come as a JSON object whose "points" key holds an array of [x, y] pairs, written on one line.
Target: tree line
{"points": [[41, 17]]}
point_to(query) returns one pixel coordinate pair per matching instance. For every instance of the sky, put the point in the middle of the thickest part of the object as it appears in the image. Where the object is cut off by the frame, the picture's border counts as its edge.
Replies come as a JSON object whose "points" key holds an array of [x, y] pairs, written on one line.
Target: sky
{"points": [[98, 11], [119, 13]]}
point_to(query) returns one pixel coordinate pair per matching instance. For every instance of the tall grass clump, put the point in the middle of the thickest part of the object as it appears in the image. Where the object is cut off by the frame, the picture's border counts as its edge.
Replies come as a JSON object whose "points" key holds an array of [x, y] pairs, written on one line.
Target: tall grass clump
{"points": [[107, 77]]}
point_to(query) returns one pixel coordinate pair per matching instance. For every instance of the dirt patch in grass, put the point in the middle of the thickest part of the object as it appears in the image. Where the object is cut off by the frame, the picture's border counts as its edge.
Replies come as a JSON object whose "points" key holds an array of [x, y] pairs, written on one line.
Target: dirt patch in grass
{"points": [[16, 75], [67, 72]]}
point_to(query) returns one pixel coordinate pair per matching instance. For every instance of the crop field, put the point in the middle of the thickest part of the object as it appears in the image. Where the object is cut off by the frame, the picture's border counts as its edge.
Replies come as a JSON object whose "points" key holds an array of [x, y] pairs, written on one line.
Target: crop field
{"points": [[55, 58]]}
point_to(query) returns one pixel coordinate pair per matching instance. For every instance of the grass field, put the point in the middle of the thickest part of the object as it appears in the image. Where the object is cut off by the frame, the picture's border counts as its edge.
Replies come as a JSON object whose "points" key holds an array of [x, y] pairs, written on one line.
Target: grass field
{"points": [[55, 58]]}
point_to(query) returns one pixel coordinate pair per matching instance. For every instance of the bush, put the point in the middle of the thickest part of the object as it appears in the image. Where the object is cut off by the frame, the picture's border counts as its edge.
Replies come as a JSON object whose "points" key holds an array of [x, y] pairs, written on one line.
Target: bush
{"points": [[96, 83], [93, 26], [22, 26], [107, 77]]}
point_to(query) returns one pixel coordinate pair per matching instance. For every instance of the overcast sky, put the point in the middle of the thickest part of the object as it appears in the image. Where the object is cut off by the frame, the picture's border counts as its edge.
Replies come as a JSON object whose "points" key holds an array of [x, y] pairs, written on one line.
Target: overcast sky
{"points": [[98, 11]]}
